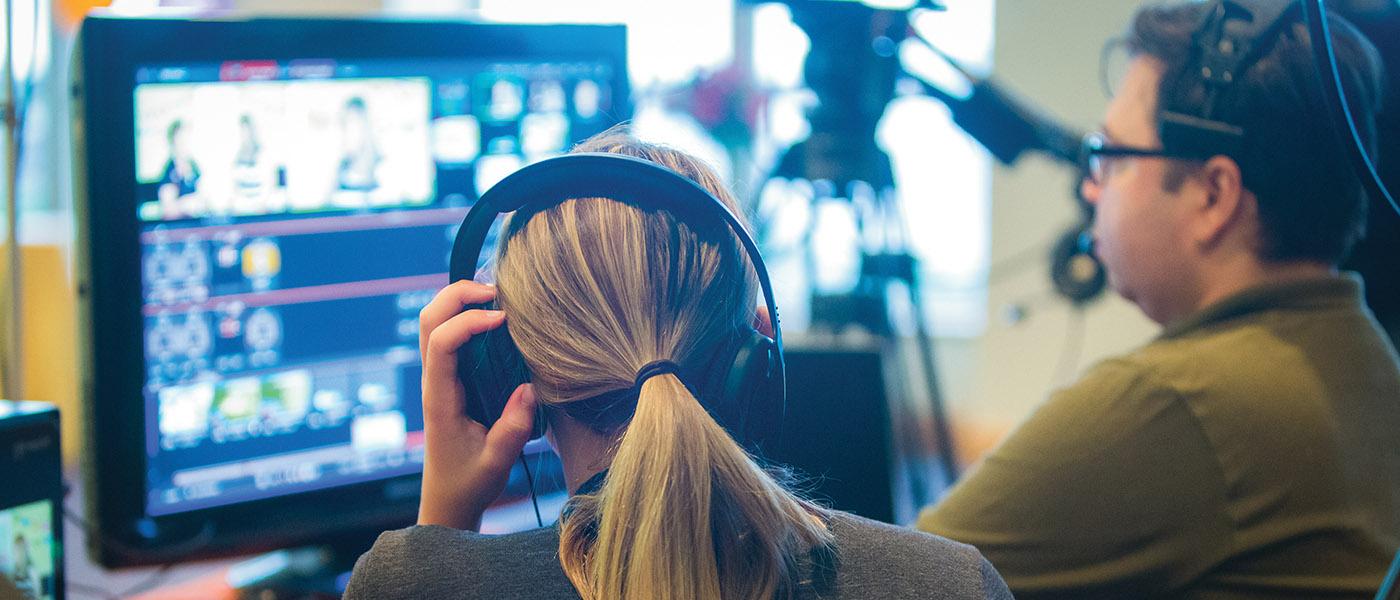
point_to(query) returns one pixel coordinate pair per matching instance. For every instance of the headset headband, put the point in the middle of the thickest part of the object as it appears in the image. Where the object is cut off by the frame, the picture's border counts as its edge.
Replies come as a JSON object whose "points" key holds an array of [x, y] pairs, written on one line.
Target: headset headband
{"points": [[604, 175], [1232, 36]]}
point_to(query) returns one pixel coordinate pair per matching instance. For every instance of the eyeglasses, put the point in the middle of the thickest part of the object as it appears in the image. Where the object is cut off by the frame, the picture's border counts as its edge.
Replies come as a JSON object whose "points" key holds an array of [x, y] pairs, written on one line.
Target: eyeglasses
{"points": [[1096, 156]]}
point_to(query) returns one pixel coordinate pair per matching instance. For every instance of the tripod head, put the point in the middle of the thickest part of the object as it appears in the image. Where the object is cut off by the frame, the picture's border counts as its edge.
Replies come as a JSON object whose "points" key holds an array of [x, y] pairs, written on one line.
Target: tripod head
{"points": [[852, 69]]}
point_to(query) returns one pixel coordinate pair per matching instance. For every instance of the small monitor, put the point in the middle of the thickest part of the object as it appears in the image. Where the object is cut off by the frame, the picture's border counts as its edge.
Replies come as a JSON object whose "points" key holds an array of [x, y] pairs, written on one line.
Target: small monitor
{"points": [[31, 500], [268, 205]]}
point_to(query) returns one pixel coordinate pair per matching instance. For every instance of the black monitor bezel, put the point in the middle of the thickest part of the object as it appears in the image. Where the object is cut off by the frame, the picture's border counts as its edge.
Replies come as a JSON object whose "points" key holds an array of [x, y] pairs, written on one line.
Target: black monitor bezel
{"points": [[110, 50]]}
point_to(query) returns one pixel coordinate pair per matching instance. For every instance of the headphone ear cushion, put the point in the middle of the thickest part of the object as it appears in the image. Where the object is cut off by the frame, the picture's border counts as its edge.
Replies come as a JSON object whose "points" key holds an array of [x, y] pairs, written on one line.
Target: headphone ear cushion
{"points": [[1075, 270], [490, 367], [751, 407]]}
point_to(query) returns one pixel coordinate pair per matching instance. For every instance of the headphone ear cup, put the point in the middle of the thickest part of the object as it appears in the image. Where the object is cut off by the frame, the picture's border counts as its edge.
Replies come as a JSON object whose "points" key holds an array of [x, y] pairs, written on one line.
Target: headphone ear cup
{"points": [[1075, 270], [490, 367], [752, 406]]}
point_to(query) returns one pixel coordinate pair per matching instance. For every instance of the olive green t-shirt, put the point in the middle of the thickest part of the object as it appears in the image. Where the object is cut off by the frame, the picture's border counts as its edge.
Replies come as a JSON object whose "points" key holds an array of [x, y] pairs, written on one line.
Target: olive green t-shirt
{"points": [[1250, 451]]}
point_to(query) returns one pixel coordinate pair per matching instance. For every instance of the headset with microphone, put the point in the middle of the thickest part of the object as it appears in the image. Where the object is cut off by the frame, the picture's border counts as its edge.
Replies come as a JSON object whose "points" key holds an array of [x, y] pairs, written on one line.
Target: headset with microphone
{"points": [[747, 398], [1232, 37]]}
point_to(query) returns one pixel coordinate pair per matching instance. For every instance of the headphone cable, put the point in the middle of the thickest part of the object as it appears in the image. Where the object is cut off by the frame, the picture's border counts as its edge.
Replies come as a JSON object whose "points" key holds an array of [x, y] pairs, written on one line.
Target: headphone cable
{"points": [[534, 499], [1339, 110]]}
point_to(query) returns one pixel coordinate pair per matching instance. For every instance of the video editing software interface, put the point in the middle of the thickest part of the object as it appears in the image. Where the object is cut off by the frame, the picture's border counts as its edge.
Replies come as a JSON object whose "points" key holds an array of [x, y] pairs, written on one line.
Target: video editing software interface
{"points": [[295, 216]]}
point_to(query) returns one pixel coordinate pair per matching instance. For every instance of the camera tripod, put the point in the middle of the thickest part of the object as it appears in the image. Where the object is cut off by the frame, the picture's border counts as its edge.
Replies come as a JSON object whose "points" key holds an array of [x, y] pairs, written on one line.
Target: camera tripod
{"points": [[852, 68]]}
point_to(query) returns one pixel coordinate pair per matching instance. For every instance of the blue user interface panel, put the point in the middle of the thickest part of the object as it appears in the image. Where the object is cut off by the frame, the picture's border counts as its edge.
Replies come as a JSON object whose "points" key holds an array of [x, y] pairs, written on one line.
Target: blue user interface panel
{"points": [[295, 217]]}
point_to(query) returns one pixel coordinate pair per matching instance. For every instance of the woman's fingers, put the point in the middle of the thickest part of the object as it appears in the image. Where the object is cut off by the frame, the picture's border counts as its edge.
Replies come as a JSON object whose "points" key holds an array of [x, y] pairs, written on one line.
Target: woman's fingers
{"points": [[508, 435], [441, 389], [448, 303]]}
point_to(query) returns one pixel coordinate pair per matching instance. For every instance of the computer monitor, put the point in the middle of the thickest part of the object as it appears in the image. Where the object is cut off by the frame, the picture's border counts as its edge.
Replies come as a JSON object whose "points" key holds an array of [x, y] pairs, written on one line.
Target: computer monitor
{"points": [[31, 533], [265, 205]]}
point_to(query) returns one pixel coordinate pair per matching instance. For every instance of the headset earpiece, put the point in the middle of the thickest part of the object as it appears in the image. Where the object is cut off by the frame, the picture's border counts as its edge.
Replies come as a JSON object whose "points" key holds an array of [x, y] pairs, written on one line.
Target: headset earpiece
{"points": [[491, 367], [757, 418], [1076, 272], [737, 390]]}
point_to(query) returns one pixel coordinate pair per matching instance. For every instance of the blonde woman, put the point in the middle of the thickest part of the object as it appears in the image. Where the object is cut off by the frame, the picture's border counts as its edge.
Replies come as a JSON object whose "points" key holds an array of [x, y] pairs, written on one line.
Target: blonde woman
{"points": [[665, 504]]}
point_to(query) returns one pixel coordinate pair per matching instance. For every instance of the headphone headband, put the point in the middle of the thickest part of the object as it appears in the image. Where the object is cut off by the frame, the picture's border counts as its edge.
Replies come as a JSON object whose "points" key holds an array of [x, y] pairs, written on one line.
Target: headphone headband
{"points": [[1232, 36], [617, 177], [583, 175], [599, 175]]}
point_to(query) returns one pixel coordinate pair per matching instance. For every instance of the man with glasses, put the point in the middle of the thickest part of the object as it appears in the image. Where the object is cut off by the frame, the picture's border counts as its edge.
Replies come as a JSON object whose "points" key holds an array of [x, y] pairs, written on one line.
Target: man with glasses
{"points": [[1252, 450]]}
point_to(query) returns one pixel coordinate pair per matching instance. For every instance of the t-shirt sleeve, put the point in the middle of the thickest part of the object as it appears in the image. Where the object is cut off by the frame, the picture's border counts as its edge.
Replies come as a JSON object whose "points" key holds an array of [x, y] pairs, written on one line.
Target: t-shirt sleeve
{"points": [[1110, 489]]}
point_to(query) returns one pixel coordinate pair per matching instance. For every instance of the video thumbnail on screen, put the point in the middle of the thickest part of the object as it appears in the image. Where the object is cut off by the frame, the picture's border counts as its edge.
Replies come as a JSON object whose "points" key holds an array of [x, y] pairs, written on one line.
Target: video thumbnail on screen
{"points": [[27, 551], [272, 147]]}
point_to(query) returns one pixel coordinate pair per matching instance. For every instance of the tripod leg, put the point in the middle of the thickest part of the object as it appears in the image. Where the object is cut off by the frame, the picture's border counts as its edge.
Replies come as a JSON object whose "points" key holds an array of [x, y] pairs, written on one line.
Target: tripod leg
{"points": [[942, 431]]}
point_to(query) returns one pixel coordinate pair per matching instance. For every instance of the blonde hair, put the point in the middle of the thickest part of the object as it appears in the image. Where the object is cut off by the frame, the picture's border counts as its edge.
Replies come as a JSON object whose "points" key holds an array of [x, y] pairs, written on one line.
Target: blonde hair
{"points": [[597, 288]]}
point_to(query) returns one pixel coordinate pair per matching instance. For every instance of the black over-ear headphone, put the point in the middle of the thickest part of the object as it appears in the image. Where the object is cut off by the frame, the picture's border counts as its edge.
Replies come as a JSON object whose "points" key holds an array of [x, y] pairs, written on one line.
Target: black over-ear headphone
{"points": [[1232, 36], [747, 399]]}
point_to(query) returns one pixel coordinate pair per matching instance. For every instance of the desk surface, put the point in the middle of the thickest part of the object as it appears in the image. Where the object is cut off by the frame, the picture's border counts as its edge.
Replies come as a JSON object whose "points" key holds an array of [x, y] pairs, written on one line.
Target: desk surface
{"points": [[206, 579], [85, 579]]}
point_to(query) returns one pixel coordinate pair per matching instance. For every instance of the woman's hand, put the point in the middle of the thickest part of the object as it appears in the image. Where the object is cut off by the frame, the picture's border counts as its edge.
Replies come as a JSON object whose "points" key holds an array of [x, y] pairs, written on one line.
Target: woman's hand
{"points": [[465, 467]]}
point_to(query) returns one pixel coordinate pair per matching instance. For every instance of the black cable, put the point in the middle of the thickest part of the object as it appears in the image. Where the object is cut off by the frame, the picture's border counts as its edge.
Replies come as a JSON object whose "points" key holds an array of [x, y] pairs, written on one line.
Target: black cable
{"points": [[162, 571], [534, 498], [1018, 262], [82, 588], [1073, 348], [1325, 60], [540, 458], [200, 540], [153, 581], [196, 542], [1389, 590]]}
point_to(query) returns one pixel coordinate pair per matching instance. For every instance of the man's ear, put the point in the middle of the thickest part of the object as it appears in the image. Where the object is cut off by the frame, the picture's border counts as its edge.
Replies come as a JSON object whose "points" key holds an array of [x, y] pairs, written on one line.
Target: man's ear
{"points": [[1225, 202]]}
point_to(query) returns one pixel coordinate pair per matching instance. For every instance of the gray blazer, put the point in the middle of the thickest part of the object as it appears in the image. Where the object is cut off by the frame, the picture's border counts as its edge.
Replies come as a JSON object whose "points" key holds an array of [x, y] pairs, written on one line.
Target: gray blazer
{"points": [[873, 561]]}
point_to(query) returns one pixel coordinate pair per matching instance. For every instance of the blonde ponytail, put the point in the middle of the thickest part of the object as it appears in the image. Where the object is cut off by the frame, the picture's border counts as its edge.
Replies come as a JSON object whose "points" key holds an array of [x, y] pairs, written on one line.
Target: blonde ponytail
{"points": [[678, 484], [596, 289]]}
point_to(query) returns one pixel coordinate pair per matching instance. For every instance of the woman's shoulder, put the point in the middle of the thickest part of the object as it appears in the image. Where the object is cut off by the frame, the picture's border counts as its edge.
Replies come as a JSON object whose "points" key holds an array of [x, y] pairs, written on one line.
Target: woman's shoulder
{"points": [[879, 560], [855, 533], [432, 562]]}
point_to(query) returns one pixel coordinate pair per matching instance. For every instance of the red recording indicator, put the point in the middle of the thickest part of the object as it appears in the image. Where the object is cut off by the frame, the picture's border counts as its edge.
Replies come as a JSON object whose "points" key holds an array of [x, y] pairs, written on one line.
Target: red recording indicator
{"points": [[248, 70]]}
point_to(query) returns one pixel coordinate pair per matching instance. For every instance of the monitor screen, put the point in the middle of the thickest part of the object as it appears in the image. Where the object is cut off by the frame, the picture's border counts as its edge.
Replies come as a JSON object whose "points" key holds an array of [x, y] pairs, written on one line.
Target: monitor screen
{"points": [[31, 495], [27, 551], [287, 215], [292, 226]]}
